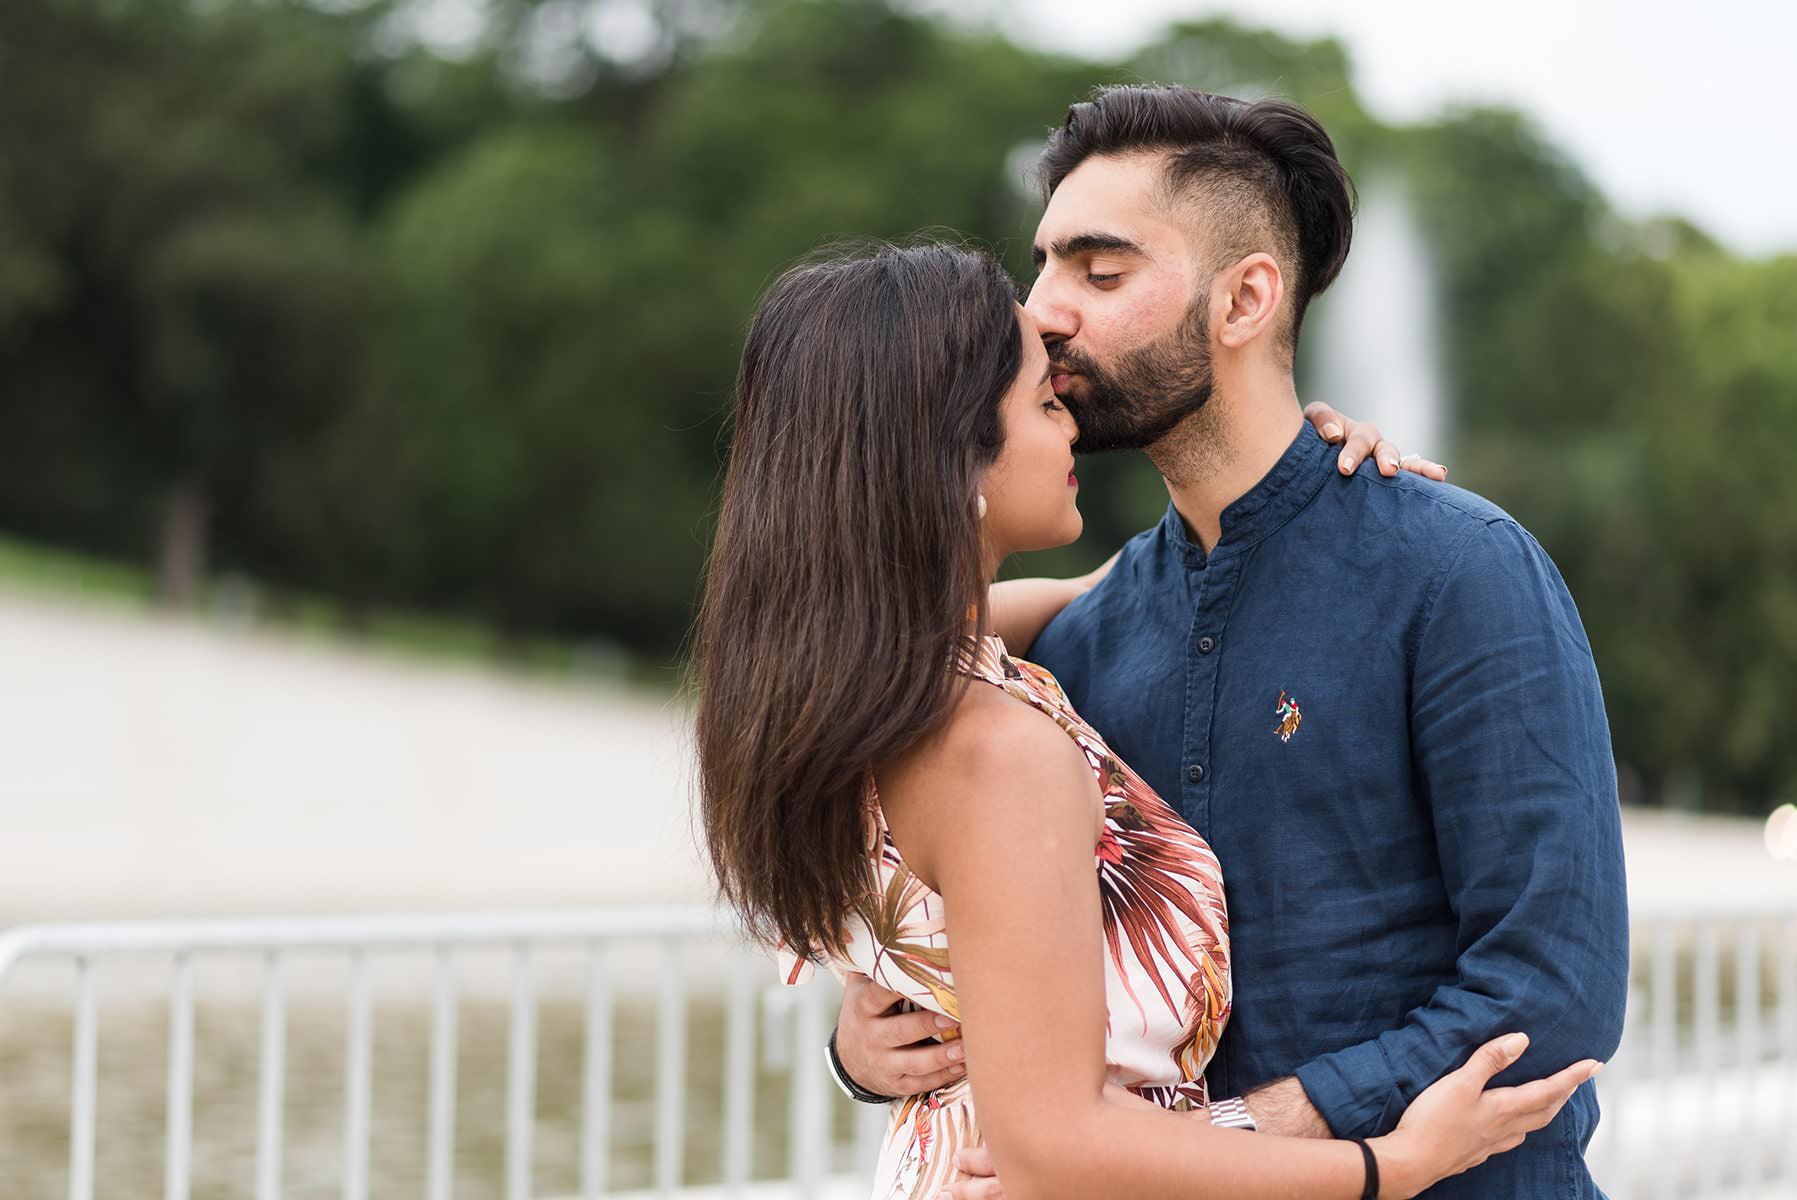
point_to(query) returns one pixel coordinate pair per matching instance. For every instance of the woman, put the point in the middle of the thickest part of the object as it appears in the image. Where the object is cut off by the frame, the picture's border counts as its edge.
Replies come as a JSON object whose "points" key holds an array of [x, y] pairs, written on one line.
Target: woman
{"points": [[872, 760]]}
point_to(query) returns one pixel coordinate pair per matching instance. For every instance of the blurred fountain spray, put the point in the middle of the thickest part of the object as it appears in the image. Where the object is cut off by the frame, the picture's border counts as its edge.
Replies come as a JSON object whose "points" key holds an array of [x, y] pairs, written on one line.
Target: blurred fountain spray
{"points": [[1371, 343]]}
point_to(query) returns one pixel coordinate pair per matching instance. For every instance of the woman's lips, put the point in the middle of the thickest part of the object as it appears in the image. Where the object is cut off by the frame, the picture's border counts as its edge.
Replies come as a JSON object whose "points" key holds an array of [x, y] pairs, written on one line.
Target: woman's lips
{"points": [[1072, 480], [1059, 380]]}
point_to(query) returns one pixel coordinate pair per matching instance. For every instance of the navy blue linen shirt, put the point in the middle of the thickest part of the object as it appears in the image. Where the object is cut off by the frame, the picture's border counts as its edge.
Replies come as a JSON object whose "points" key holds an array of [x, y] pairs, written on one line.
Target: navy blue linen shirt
{"points": [[1434, 856]]}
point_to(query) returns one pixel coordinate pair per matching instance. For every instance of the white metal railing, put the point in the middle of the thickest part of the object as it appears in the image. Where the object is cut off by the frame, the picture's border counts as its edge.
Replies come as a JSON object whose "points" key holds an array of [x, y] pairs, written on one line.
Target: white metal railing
{"points": [[666, 931], [1701, 1101]]}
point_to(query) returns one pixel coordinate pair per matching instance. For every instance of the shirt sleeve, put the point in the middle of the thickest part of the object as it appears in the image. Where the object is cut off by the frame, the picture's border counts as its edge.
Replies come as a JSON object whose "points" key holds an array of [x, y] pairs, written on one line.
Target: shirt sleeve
{"points": [[1512, 760]]}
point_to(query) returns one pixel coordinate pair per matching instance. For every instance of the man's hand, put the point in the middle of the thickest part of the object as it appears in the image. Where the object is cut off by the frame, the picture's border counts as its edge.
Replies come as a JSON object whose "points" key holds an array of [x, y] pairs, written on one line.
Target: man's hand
{"points": [[1283, 1108], [880, 1046], [984, 1185]]}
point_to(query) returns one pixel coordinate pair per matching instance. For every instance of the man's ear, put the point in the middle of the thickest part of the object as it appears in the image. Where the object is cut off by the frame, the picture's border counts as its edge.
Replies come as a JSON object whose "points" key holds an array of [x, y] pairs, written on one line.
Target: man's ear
{"points": [[1247, 298]]}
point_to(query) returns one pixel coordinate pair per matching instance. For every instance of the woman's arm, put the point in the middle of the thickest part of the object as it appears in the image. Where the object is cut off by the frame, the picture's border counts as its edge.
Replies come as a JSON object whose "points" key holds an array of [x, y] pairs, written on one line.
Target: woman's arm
{"points": [[1022, 608], [1011, 853], [1003, 818]]}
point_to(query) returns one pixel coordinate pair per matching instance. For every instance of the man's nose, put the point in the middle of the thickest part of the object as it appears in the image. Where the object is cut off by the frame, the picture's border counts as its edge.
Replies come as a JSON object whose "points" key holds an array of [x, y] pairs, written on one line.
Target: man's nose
{"points": [[1055, 320]]}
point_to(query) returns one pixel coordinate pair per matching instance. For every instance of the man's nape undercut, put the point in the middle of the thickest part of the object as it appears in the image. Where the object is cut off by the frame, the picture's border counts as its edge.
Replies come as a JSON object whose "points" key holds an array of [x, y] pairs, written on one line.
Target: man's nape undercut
{"points": [[1230, 207]]}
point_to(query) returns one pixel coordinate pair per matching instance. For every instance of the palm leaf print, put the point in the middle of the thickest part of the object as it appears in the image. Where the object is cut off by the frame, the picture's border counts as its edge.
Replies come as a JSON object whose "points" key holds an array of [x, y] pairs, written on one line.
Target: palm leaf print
{"points": [[1166, 960]]}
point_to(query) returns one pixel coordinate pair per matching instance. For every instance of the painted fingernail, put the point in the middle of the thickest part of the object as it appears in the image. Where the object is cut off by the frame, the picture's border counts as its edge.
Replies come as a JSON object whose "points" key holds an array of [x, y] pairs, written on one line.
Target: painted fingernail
{"points": [[1332, 430], [956, 1053], [957, 1068], [1597, 1070], [943, 1022], [1347, 462], [1516, 1043]]}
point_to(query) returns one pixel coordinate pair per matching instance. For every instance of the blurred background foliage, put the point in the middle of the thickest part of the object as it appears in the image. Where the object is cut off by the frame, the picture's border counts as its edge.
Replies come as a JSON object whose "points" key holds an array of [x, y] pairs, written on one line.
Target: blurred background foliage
{"points": [[396, 317]]}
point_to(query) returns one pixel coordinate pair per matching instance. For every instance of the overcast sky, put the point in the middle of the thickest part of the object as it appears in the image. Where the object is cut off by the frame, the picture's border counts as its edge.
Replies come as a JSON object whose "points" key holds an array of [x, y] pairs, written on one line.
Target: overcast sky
{"points": [[1688, 108]]}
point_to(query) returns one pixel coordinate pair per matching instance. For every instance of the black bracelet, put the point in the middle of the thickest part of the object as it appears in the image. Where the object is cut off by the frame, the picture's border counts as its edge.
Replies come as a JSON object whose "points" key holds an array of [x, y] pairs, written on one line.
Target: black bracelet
{"points": [[854, 1090], [1371, 1190]]}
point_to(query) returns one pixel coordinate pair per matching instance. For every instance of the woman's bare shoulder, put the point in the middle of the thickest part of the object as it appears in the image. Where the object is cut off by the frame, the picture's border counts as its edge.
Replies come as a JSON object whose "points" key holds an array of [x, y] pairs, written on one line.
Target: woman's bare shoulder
{"points": [[996, 762]]}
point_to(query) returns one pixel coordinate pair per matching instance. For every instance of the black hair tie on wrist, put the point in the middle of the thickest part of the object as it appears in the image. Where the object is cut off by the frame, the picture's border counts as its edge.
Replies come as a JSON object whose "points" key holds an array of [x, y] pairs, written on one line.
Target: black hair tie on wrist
{"points": [[1371, 1190]]}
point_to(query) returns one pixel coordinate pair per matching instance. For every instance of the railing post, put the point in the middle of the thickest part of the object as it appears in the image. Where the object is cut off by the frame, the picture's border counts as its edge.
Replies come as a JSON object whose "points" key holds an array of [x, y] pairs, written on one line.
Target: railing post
{"points": [[595, 1092], [1664, 970], [810, 1117], [670, 1072], [81, 1122], [739, 1075], [1709, 1045], [178, 1139], [440, 1144], [269, 1105], [358, 1068], [1787, 1023], [1747, 1047], [521, 1084]]}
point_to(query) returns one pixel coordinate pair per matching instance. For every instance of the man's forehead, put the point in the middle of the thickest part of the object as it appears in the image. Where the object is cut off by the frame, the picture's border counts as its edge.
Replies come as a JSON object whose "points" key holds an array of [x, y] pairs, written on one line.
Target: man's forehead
{"points": [[1105, 197]]}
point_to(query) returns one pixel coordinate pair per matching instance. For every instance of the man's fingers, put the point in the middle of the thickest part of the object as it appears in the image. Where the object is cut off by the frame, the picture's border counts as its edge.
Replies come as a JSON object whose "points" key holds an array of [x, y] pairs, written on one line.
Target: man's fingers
{"points": [[975, 1160], [932, 1060], [870, 997], [907, 1028]]}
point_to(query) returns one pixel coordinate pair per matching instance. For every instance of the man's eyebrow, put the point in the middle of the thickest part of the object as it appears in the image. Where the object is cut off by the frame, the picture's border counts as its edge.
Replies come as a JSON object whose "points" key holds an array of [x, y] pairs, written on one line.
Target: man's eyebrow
{"points": [[1086, 243]]}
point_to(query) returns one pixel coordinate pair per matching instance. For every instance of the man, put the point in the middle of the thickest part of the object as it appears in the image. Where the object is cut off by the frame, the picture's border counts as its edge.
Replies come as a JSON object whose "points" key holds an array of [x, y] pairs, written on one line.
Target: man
{"points": [[1420, 838]]}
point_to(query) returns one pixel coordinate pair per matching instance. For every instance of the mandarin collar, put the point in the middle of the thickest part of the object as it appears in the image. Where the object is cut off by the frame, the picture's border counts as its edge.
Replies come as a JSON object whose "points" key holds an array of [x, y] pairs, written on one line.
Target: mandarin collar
{"points": [[1282, 492]]}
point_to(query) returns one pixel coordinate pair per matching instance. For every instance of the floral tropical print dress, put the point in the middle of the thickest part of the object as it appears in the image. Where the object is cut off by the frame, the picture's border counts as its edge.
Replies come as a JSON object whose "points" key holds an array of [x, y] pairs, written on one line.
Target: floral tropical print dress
{"points": [[1167, 985]]}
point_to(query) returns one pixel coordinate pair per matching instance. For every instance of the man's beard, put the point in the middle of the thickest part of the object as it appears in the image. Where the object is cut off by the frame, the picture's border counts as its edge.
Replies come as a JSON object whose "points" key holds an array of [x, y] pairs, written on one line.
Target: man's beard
{"points": [[1152, 388]]}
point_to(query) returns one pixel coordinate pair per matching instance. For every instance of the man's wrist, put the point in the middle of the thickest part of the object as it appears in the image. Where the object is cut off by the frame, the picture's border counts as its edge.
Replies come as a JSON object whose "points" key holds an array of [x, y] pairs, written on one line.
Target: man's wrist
{"points": [[1233, 1113], [1284, 1108], [845, 1081]]}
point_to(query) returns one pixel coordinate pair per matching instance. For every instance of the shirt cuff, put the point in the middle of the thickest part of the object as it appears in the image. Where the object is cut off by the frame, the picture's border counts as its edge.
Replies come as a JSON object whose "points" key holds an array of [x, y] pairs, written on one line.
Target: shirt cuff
{"points": [[1352, 1088]]}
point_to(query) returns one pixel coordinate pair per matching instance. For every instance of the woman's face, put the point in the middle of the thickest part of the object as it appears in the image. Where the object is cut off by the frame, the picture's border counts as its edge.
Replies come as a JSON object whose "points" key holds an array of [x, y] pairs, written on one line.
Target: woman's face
{"points": [[1031, 494]]}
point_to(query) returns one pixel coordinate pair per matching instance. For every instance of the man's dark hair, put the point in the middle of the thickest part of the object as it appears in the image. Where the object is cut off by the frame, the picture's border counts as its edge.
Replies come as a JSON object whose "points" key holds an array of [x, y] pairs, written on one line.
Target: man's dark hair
{"points": [[1265, 172]]}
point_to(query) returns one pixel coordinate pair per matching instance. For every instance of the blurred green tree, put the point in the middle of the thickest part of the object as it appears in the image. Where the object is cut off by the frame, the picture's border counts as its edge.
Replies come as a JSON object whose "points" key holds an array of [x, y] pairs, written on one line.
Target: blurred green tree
{"points": [[316, 294]]}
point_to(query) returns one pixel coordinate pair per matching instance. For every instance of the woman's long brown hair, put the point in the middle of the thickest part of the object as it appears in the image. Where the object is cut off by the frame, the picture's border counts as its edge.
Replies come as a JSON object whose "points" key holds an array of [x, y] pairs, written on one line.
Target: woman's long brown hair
{"points": [[846, 558]]}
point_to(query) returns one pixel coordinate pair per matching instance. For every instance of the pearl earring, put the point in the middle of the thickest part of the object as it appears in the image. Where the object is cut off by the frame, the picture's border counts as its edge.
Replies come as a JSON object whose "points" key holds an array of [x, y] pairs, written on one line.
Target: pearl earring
{"points": [[982, 508]]}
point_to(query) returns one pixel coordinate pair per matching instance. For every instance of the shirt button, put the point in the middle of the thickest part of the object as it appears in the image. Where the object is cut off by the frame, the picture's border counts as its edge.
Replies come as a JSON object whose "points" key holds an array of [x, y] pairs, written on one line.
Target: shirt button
{"points": [[1206, 645], [1195, 773]]}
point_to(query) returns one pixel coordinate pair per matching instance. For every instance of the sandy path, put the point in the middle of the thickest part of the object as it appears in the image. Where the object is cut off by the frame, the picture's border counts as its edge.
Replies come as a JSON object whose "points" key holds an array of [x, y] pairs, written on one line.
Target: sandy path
{"points": [[153, 766]]}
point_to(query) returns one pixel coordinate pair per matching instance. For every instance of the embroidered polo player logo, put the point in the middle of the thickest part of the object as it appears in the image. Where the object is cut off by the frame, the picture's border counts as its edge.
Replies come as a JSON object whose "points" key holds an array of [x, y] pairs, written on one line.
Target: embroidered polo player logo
{"points": [[1289, 717]]}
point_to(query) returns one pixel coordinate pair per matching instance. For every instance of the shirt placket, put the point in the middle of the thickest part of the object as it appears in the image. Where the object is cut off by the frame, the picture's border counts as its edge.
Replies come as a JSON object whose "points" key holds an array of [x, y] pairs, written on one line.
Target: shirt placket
{"points": [[1213, 588]]}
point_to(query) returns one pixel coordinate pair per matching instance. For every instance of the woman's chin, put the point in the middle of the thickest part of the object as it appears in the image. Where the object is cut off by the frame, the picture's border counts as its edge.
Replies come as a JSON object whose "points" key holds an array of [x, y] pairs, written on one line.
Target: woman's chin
{"points": [[1065, 534]]}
